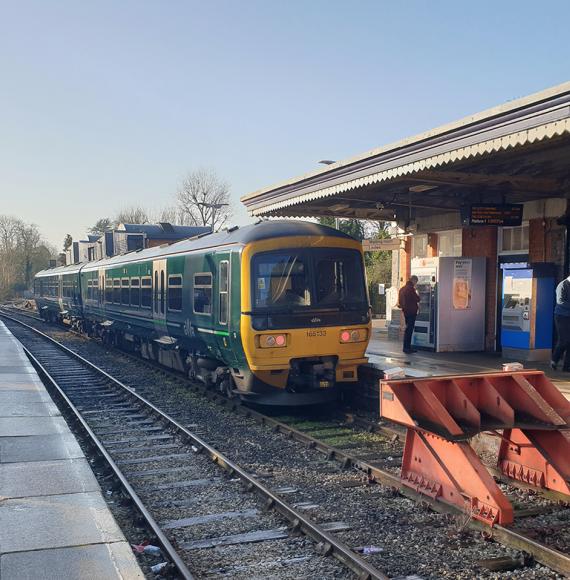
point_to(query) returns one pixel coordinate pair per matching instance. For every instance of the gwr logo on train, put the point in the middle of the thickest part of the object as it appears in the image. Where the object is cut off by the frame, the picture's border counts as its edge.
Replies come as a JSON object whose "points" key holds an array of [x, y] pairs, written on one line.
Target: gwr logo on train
{"points": [[235, 309]]}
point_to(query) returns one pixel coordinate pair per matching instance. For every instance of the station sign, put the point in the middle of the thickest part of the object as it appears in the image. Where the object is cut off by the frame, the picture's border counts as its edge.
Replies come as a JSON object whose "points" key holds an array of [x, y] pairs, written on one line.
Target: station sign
{"points": [[485, 214], [381, 245]]}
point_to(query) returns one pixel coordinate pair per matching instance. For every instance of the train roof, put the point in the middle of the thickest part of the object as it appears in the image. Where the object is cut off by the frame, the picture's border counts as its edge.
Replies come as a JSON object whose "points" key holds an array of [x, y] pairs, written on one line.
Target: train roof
{"points": [[70, 269], [233, 236]]}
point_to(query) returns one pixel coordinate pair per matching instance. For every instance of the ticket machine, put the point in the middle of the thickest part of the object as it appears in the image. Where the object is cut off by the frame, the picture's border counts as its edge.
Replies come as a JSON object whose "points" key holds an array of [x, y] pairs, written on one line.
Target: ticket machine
{"points": [[527, 310], [452, 304]]}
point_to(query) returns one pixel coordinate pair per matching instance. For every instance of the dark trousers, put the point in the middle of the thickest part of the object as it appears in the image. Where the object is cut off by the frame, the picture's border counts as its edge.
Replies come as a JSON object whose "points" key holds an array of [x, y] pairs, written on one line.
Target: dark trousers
{"points": [[410, 323], [563, 344]]}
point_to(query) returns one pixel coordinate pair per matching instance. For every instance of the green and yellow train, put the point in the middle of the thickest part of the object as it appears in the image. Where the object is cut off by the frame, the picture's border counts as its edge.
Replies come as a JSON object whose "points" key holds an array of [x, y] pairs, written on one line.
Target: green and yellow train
{"points": [[276, 312]]}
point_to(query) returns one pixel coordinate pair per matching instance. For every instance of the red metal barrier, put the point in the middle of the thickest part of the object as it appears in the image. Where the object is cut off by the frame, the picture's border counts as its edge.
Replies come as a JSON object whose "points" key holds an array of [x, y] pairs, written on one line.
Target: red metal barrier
{"points": [[443, 413]]}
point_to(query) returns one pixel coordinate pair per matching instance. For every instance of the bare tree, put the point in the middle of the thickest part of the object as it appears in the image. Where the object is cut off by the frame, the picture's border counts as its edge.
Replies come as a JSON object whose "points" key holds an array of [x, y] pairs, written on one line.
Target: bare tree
{"points": [[134, 214], [203, 199], [101, 226], [29, 239], [8, 243], [67, 242], [22, 254]]}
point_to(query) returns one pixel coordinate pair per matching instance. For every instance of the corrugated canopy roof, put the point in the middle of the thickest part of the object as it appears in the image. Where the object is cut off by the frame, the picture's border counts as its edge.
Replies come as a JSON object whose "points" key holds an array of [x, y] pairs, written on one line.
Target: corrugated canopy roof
{"points": [[517, 151]]}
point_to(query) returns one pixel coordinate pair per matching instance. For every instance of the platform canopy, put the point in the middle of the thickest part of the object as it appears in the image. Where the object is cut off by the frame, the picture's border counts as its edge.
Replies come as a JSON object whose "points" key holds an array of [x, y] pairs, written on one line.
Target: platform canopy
{"points": [[513, 153]]}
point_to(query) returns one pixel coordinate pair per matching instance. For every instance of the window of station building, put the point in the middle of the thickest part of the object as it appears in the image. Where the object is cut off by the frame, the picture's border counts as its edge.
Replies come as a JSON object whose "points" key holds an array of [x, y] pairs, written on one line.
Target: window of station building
{"points": [[449, 244], [125, 291], [175, 292], [223, 292], [514, 240], [419, 246], [116, 291], [135, 292], [146, 292], [203, 293]]}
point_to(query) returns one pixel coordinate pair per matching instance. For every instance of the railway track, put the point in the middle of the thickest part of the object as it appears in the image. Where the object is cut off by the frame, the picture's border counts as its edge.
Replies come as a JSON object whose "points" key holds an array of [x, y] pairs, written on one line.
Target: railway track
{"points": [[380, 510], [171, 474]]}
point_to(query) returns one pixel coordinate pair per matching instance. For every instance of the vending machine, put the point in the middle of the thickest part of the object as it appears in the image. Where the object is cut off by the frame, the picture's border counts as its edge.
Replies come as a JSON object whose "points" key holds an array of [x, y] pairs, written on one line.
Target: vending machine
{"points": [[527, 310], [452, 304]]}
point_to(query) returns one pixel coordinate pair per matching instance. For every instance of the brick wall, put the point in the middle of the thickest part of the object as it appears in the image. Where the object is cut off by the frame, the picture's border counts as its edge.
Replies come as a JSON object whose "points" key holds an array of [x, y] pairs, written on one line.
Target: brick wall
{"points": [[546, 243], [482, 241]]}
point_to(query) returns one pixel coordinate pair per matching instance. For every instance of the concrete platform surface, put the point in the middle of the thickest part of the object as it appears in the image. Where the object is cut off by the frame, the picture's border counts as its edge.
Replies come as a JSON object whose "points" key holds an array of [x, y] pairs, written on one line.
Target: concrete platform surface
{"points": [[39, 448], [95, 562], [388, 353], [54, 521]]}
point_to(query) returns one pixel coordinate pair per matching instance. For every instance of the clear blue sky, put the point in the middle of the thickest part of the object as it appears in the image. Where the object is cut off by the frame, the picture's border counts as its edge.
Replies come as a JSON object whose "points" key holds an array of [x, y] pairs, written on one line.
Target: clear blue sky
{"points": [[106, 104]]}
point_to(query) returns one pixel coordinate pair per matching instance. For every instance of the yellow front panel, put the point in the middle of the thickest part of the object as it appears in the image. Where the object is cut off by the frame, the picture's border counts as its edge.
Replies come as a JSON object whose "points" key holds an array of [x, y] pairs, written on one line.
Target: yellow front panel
{"points": [[301, 342]]}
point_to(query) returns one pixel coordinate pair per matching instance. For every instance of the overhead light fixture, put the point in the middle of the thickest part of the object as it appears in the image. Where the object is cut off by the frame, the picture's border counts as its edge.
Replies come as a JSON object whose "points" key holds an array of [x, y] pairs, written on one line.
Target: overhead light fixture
{"points": [[339, 206], [421, 188], [327, 161]]}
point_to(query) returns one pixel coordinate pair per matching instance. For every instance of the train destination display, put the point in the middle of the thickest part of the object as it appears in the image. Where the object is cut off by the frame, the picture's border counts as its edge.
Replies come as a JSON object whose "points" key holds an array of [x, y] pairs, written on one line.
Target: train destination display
{"points": [[495, 215]]}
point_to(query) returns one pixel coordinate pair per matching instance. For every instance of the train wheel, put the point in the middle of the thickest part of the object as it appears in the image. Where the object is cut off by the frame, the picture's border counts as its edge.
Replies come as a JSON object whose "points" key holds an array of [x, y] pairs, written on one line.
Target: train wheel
{"points": [[227, 387]]}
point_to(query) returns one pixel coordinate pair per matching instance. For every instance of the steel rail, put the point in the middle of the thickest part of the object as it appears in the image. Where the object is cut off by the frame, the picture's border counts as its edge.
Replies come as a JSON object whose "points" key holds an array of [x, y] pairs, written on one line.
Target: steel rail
{"points": [[328, 544], [78, 420], [550, 557]]}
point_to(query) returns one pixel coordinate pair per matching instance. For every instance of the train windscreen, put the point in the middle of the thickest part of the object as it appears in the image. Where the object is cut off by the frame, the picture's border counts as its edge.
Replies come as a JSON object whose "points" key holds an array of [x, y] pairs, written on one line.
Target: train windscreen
{"points": [[308, 279]]}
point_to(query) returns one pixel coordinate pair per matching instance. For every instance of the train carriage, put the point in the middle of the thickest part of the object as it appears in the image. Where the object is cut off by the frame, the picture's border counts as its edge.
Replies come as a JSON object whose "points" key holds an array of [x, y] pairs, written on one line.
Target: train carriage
{"points": [[57, 293], [276, 312]]}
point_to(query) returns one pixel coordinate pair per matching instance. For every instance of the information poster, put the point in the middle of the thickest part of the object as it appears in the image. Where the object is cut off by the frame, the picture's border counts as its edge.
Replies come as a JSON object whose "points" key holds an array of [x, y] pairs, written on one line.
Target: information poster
{"points": [[462, 284]]}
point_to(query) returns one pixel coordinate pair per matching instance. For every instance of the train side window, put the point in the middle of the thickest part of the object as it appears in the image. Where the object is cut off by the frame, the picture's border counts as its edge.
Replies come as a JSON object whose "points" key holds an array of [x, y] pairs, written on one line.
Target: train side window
{"points": [[125, 291], [116, 291], [108, 290], [162, 292], [135, 292], [146, 292], [223, 292], [95, 289], [89, 289], [203, 293], [175, 293]]}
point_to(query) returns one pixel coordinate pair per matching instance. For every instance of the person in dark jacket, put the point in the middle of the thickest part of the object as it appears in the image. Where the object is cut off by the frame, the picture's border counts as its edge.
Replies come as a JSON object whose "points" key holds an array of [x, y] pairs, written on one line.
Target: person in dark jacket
{"points": [[409, 302], [562, 321]]}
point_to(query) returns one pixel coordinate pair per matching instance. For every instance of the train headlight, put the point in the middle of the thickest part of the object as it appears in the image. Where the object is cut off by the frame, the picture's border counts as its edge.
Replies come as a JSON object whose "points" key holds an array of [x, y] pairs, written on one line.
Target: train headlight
{"points": [[356, 335], [272, 340]]}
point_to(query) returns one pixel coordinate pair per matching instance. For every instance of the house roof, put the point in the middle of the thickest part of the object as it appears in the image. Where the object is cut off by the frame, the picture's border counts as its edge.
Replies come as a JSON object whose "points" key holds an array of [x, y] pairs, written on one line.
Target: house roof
{"points": [[164, 230]]}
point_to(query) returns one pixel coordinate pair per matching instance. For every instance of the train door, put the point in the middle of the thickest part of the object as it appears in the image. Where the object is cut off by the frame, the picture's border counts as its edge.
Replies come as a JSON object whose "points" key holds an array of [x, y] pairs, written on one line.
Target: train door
{"points": [[159, 286], [222, 304], [60, 292], [101, 293]]}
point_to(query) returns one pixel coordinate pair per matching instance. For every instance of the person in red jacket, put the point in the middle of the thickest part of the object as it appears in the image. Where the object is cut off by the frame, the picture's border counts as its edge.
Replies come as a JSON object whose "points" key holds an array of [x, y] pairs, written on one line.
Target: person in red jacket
{"points": [[409, 302]]}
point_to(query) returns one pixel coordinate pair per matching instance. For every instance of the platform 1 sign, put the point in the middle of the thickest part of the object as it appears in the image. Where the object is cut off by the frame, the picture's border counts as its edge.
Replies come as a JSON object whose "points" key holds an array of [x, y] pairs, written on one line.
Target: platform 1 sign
{"points": [[381, 245], [483, 214]]}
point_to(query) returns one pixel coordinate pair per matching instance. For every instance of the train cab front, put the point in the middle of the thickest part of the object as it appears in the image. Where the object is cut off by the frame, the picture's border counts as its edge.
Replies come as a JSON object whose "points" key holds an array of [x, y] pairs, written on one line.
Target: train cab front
{"points": [[305, 321]]}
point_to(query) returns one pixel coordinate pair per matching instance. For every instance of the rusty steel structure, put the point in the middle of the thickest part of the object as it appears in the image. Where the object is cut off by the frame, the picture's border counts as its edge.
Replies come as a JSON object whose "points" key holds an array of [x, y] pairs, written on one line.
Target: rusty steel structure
{"points": [[441, 416]]}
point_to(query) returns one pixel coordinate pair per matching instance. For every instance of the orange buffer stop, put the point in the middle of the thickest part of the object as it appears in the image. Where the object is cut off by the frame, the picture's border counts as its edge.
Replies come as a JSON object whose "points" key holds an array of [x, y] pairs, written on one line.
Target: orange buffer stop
{"points": [[443, 413]]}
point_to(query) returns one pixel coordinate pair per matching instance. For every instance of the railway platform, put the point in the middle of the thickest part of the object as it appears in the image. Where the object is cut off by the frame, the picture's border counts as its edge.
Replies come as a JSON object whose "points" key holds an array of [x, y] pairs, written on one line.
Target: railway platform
{"points": [[388, 353], [54, 522]]}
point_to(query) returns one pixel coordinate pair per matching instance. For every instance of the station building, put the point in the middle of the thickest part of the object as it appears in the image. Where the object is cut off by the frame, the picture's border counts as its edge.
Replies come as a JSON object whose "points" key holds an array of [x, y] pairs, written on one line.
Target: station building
{"points": [[495, 184]]}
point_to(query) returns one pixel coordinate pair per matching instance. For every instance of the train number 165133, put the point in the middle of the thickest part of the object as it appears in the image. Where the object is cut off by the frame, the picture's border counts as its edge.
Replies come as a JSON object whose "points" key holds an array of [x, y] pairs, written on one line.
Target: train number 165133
{"points": [[312, 333]]}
